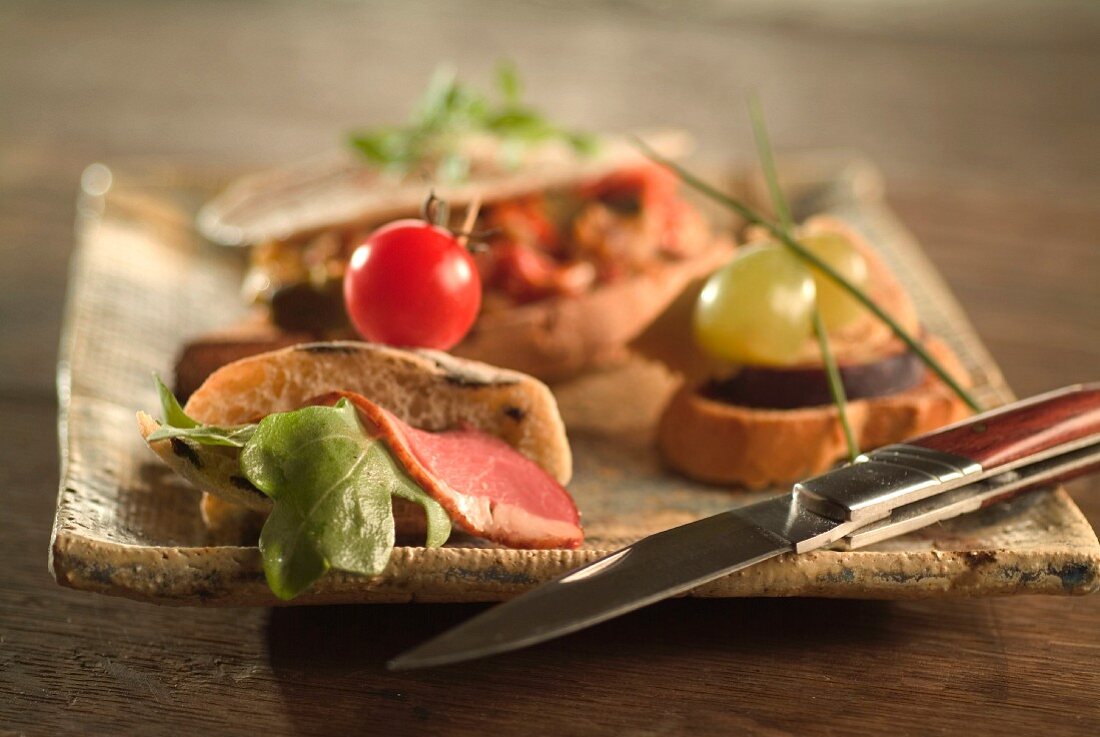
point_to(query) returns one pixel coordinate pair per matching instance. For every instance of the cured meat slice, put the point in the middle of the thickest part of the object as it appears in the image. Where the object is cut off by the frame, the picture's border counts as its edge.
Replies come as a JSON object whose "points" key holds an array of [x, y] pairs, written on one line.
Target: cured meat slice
{"points": [[487, 487]]}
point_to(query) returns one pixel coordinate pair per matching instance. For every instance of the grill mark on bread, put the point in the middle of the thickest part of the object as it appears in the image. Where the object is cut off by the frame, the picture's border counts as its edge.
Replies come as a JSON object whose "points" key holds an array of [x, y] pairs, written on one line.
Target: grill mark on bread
{"points": [[425, 388], [186, 452], [319, 348], [457, 377], [457, 374], [242, 483], [466, 382], [247, 486]]}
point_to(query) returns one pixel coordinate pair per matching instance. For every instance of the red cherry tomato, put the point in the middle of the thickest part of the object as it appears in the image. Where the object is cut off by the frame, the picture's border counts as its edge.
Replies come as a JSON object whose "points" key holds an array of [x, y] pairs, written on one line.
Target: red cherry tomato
{"points": [[412, 284]]}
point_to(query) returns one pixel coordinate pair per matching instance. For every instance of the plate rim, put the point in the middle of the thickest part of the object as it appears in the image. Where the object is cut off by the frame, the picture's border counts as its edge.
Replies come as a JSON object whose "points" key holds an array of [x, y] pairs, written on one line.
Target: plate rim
{"points": [[78, 561]]}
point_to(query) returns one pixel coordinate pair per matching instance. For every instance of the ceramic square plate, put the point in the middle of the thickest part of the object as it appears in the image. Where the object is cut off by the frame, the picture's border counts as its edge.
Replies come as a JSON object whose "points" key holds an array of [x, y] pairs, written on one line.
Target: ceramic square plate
{"points": [[142, 282]]}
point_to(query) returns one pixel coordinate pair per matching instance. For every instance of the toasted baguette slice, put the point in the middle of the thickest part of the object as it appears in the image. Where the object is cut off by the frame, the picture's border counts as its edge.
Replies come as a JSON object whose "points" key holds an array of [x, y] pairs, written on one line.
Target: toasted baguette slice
{"points": [[427, 389], [722, 443], [430, 390]]}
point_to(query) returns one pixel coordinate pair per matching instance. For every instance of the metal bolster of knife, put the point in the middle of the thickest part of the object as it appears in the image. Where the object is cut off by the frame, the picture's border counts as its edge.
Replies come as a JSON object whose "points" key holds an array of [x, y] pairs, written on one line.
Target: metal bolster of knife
{"points": [[975, 495], [883, 480]]}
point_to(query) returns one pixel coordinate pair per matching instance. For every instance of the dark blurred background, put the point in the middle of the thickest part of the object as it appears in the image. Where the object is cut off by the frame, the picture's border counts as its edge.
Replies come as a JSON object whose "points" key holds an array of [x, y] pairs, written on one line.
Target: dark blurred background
{"points": [[976, 110]]}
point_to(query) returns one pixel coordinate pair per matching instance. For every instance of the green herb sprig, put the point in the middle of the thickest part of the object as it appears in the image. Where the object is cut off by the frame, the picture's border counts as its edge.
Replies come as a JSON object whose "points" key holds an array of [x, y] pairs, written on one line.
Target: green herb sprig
{"points": [[330, 483], [449, 113], [751, 215]]}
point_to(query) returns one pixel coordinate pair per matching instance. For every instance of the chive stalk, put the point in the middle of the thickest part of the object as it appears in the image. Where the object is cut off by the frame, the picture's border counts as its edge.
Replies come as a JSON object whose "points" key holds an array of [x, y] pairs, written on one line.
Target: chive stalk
{"points": [[783, 211], [836, 386], [767, 163], [754, 217]]}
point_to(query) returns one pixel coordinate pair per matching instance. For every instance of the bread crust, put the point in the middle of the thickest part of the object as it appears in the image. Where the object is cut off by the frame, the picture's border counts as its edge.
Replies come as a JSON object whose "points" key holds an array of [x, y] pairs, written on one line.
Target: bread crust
{"points": [[551, 340], [557, 338], [206, 354], [427, 389], [722, 443], [339, 191]]}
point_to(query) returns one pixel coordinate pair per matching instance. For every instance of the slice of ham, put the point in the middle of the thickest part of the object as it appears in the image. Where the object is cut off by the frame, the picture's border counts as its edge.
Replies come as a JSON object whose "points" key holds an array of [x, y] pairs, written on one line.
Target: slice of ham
{"points": [[488, 488]]}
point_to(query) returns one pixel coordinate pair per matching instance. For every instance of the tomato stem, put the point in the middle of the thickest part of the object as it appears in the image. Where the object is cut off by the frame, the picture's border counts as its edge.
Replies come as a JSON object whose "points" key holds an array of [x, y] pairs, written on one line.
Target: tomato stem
{"points": [[435, 210], [468, 224]]}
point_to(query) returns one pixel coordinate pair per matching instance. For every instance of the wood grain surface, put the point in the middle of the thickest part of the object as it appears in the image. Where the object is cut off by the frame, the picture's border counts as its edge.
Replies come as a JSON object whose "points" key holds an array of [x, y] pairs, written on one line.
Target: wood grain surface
{"points": [[987, 128], [1001, 437]]}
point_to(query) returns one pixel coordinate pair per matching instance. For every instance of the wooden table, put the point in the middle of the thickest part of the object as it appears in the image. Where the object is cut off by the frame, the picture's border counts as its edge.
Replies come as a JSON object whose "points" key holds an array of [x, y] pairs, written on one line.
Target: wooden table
{"points": [[988, 134]]}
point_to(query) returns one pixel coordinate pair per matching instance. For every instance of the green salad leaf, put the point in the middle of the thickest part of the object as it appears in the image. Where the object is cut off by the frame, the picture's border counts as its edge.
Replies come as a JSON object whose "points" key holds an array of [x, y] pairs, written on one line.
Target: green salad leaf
{"points": [[509, 83], [332, 486], [178, 425], [235, 437], [450, 111], [173, 412]]}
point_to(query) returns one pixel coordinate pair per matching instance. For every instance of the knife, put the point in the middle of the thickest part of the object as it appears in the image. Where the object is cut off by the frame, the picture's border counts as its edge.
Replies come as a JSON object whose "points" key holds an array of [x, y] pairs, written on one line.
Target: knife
{"points": [[886, 492]]}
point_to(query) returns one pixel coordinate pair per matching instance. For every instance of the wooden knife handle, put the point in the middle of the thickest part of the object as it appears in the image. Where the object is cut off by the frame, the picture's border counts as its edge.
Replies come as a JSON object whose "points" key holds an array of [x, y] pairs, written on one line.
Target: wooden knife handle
{"points": [[1021, 429]]}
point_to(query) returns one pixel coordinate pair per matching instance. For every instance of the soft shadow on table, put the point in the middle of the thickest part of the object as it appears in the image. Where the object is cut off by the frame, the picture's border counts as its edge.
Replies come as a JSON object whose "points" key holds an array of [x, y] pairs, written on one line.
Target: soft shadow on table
{"points": [[330, 661]]}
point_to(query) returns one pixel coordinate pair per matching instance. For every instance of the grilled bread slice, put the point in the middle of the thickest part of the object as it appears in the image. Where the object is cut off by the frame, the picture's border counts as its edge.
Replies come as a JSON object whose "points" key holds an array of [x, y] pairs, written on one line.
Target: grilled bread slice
{"points": [[427, 389], [754, 440]]}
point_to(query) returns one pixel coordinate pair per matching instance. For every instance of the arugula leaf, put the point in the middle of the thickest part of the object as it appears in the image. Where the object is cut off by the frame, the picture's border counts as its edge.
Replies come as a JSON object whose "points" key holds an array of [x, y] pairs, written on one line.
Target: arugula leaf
{"points": [[173, 412], [178, 425], [448, 112], [508, 82], [235, 437], [586, 144], [439, 522], [453, 168], [382, 146], [440, 97], [332, 486]]}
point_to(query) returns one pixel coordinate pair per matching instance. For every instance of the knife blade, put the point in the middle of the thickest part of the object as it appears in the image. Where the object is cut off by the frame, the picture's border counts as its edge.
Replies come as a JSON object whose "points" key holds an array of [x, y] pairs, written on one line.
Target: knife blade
{"points": [[887, 492]]}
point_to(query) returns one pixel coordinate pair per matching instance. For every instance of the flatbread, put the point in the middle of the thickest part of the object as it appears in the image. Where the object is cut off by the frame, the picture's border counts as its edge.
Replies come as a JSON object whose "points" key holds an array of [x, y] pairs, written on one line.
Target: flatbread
{"points": [[338, 190]]}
